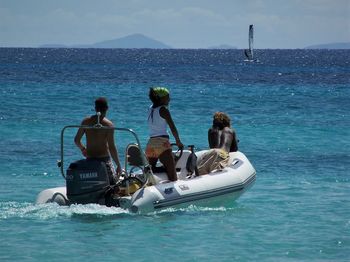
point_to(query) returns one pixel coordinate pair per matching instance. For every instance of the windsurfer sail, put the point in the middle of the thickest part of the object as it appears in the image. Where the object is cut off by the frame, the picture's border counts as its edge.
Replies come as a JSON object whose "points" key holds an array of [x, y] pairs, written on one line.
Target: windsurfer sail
{"points": [[249, 53]]}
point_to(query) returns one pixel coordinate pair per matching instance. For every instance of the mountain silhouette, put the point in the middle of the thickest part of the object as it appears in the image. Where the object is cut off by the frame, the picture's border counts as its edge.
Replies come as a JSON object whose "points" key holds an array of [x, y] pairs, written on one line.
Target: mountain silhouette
{"points": [[131, 41], [330, 46]]}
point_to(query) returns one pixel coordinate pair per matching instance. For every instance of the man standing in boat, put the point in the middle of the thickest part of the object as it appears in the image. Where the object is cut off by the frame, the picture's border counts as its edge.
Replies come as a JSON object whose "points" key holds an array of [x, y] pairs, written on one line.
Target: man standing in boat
{"points": [[99, 142], [222, 141]]}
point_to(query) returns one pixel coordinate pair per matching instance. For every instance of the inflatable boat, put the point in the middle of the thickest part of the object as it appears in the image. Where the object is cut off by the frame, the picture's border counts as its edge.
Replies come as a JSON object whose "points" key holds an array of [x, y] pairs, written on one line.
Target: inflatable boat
{"points": [[142, 188]]}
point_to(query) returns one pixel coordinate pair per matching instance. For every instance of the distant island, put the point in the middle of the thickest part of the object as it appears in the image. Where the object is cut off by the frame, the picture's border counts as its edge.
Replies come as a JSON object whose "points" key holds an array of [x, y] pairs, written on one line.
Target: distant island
{"points": [[142, 41], [53, 46], [330, 46], [222, 47], [130, 41]]}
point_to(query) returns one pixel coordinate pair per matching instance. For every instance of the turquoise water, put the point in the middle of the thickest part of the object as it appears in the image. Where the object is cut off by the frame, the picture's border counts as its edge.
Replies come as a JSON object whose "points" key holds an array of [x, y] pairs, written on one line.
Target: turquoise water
{"points": [[291, 114]]}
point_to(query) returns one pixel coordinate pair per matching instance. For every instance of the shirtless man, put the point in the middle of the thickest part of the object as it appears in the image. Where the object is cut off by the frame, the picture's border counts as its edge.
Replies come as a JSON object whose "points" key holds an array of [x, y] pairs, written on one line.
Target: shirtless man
{"points": [[222, 140], [99, 143], [221, 135]]}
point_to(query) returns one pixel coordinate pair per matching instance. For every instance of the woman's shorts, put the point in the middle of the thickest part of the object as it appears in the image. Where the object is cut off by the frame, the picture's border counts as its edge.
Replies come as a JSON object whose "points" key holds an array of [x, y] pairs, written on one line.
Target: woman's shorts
{"points": [[156, 146]]}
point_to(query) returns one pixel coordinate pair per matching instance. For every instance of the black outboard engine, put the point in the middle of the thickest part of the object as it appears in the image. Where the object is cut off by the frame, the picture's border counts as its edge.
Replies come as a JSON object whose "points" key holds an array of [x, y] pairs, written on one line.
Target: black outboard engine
{"points": [[87, 182]]}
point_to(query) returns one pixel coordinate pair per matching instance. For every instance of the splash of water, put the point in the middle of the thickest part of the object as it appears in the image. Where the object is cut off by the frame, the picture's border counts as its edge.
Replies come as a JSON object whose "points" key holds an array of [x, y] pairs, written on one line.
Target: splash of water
{"points": [[10, 210]]}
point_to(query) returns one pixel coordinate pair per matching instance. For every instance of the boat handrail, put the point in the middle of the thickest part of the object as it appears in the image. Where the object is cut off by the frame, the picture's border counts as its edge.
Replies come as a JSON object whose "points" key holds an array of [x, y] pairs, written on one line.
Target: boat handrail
{"points": [[61, 161]]}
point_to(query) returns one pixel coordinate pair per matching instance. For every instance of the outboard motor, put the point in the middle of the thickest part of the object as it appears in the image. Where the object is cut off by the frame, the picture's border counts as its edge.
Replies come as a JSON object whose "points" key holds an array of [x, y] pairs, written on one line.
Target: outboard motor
{"points": [[87, 182]]}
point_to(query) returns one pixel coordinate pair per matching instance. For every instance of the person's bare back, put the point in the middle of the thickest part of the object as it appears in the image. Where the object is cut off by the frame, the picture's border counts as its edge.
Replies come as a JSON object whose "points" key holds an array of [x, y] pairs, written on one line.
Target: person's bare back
{"points": [[221, 138], [221, 135], [97, 139]]}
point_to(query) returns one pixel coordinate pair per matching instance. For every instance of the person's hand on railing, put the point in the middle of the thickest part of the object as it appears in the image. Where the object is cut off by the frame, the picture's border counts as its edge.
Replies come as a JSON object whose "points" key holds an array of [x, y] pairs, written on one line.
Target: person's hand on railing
{"points": [[119, 171], [84, 152], [179, 144]]}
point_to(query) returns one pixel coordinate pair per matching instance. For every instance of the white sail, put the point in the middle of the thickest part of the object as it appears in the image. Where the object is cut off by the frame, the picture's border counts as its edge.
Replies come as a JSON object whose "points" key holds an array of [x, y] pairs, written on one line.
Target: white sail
{"points": [[250, 52], [251, 41]]}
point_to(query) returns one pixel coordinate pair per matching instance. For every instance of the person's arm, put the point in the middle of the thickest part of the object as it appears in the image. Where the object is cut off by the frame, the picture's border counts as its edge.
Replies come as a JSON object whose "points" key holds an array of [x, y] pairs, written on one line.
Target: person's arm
{"points": [[113, 150], [164, 113], [234, 144], [213, 138], [227, 140], [77, 140]]}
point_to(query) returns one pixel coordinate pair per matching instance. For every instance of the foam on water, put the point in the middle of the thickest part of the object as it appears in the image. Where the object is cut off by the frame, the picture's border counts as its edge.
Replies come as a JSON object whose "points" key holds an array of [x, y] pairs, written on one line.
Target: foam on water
{"points": [[11, 210]]}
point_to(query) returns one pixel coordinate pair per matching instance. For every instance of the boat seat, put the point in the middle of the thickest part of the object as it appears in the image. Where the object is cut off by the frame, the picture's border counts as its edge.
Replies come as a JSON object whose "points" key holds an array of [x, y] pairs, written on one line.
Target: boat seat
{"points": [[160, 175], [136, 159], [134, 156]]}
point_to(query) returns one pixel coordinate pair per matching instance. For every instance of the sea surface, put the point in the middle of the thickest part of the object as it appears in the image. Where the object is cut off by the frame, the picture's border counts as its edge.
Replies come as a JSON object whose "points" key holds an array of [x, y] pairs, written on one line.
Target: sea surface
{"points": [[290, 110]]}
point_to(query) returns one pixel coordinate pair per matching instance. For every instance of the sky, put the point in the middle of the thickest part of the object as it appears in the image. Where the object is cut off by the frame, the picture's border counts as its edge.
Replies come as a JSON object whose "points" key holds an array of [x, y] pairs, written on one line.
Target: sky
{"points": [[177, 23]]}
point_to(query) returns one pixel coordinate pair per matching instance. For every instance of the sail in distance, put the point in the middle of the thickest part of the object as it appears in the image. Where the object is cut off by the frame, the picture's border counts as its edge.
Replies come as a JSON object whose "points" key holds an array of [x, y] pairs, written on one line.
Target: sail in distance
{"points": [[249, 53]]}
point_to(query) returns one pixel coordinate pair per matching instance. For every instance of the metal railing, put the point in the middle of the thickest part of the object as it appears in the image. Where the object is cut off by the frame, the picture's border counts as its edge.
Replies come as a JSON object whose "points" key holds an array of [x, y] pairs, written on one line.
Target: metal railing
{"points": [[97, 127]]}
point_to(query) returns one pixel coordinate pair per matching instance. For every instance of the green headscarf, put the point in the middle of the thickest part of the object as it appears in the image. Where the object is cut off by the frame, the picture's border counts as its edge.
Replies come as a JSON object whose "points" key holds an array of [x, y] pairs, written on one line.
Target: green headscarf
{"points": [[161, 91]]}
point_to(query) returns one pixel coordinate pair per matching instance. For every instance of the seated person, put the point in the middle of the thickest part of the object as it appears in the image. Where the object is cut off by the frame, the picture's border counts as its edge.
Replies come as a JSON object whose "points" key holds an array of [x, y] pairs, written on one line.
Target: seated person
{"points": [[222, 140]]}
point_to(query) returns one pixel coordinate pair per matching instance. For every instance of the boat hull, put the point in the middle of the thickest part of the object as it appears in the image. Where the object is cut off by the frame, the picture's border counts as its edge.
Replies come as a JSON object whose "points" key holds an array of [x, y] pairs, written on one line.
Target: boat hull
{"points": [[215, 189]]}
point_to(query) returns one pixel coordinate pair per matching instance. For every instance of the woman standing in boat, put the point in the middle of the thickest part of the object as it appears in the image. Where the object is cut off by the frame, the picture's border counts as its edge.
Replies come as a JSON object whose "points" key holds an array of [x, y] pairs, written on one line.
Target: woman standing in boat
{"points": [[159, 117]]}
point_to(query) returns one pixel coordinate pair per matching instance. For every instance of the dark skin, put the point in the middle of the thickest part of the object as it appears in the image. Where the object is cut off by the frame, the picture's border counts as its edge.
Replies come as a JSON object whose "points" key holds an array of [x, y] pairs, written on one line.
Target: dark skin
{"points": [[166, 158], [99, 143], [222, 138]]}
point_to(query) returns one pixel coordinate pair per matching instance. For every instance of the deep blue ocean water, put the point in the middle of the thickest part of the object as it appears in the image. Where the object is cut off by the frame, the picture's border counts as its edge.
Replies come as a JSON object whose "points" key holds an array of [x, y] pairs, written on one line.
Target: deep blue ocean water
{"points": [[291, 114]]}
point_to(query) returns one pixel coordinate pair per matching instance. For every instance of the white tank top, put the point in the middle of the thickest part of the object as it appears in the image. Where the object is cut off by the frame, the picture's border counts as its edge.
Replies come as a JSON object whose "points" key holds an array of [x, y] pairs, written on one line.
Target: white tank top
{"points": [[156, 124]]}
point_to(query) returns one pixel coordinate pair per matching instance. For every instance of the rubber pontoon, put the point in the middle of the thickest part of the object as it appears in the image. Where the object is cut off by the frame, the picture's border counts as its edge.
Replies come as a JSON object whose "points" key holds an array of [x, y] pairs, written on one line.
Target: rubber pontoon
{"points": [[141, 190]]}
